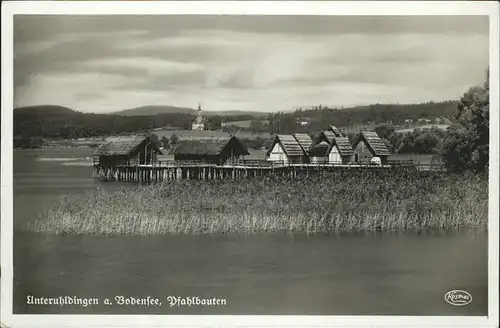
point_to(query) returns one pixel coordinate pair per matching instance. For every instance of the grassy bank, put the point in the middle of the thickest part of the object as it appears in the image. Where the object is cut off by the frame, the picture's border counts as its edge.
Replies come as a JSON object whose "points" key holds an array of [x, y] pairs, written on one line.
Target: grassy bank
{"points": [[337, 201]]}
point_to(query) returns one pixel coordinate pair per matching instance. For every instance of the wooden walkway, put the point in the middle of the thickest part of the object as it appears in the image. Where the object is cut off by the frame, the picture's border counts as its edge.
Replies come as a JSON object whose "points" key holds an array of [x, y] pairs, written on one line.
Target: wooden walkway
{"points": [[186, 170]]}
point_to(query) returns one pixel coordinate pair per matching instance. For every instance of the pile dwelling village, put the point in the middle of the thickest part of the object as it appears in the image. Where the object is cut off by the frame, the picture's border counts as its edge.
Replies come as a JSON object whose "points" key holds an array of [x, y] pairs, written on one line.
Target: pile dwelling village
{"points": [[201, 154]]}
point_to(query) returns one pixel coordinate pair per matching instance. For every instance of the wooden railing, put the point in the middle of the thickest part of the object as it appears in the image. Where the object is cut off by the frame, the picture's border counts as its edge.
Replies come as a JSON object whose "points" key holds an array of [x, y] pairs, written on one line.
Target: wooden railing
{"points": [[279, 164], [400, 162], [261, 164]]}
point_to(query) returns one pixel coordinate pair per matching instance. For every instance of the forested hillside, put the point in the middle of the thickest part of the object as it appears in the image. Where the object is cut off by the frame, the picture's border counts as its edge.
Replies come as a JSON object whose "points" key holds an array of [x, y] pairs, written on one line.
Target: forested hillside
{"points": [[50, 121], [155, 110], [61, 122], [373, 115]]}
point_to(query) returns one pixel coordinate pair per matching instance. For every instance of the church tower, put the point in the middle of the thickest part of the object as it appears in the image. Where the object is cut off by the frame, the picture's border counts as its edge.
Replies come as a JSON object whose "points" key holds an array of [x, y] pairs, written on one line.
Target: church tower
{"points": [[198, 124]]}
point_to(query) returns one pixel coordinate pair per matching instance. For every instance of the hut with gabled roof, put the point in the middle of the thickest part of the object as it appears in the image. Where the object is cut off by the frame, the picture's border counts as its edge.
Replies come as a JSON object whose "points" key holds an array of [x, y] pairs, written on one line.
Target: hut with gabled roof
{"points": [[219, 150], [318, 152], [127, 150], [325, 135], [287, 149], [366, 145], [340, 151], [320, 145]]}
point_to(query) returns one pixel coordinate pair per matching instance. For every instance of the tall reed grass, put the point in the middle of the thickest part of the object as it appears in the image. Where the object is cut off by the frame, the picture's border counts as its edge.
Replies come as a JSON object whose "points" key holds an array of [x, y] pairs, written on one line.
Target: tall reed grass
{"points": [[363, 201]]}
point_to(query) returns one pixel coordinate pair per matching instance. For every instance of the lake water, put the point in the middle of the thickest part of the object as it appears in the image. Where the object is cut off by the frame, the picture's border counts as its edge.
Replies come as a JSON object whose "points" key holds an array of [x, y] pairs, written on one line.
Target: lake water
{"points": [[339, 274]]}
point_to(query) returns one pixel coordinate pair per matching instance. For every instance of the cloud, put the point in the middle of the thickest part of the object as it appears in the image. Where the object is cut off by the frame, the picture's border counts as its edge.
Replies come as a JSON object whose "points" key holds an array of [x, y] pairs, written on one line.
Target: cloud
{"points": [[37, 27], [33, 48], [63, 51], [150, 66], [249, 63], [68, 89]]}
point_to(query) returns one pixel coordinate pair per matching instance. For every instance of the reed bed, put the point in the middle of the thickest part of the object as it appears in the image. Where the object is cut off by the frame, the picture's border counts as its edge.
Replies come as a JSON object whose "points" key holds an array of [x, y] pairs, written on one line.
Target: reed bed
{"points": [[363, 201]]}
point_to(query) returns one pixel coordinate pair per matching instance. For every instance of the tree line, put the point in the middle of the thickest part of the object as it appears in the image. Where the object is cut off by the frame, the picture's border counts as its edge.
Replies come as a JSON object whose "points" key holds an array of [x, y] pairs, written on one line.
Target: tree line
{"points": [[464, 146], [58, 122], [377, 114], [315, 117]]}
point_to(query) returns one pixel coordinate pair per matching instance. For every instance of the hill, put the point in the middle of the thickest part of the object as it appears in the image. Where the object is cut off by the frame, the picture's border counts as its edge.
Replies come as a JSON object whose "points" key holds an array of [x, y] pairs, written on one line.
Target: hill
{"points": [[44, 110], [370, 116], [236, 113], [50, 121], [165, 109], [155, 110]]}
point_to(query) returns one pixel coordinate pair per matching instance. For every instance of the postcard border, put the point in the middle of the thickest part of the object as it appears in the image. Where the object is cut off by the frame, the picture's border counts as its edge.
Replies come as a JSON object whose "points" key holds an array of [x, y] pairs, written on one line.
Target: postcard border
{"points": [[255, 8]]}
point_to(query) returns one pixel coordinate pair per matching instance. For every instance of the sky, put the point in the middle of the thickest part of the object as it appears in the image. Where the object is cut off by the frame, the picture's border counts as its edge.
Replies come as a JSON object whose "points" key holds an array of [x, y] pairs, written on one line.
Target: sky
{"points": [[103, 64]]}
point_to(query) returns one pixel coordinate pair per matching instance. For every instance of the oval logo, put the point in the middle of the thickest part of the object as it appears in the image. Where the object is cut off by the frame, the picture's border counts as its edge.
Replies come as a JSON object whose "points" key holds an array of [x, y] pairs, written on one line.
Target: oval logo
{"points": [[458, 297]]}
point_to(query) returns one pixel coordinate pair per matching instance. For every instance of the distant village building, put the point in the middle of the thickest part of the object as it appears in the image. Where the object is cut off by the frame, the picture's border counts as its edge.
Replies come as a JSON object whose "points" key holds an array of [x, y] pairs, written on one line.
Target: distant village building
{"points": [[218, 150], [408, 121], [303, 121], [367, 145], [287, 149], [445, 120], [127, 150], [198, 124], [424, 121]]}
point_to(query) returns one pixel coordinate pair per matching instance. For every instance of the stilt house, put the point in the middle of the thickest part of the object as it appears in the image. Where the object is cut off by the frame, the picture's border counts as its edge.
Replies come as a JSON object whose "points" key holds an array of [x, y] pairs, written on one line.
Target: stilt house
{"points": [[219, 151], [127, 150], [340, 151], [318, 151], [366, 145], [286, 149], [326, 136]]}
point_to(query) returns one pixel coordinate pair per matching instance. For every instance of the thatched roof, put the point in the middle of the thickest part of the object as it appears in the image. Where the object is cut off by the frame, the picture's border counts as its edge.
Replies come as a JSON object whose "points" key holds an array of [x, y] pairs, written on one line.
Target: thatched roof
{"points": [[374, 143], [304, 140], [290, 145], [320, 149], [206, 146], [343, 145], [335, 131], [124, 145], [323, 136], [329, 136]]}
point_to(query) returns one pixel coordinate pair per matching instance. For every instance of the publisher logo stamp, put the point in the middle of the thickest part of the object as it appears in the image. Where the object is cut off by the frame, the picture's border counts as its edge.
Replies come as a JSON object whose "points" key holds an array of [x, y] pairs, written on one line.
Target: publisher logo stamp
{"points": [[458, 297]]}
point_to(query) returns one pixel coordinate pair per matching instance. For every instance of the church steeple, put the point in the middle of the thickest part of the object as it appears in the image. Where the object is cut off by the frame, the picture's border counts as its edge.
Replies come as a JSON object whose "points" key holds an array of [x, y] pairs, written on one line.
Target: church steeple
{"points": [[198, 124]]}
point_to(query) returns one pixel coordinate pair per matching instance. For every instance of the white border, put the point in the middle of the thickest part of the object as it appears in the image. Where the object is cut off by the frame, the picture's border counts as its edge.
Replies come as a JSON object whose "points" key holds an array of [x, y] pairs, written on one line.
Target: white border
{"points": [[490, 9]]}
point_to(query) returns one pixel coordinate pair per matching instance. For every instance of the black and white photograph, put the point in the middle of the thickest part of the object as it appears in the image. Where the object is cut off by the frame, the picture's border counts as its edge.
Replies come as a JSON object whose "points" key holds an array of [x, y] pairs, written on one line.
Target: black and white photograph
{"points": [[274, 164]]}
